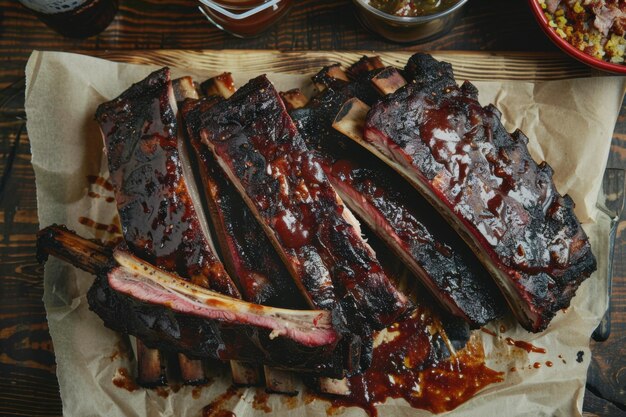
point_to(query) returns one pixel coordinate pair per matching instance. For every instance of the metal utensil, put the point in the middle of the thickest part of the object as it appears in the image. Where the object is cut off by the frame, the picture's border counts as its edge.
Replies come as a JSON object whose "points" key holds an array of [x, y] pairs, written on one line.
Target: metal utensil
{"points": [[611, 202]]}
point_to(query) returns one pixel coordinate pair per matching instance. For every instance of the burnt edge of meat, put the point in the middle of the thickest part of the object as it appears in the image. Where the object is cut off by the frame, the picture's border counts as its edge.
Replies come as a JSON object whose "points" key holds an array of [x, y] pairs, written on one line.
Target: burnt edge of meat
{"points": [[263, 278], [159, 221], [364, 67], [549, 286], [330, 76], [230, 125], [457, 330], [439, 250]]}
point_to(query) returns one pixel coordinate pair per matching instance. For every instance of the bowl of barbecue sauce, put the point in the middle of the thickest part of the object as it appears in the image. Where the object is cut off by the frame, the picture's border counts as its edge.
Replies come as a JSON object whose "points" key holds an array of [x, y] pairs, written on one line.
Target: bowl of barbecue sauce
{"points": [[244, 18], [409, 21]]}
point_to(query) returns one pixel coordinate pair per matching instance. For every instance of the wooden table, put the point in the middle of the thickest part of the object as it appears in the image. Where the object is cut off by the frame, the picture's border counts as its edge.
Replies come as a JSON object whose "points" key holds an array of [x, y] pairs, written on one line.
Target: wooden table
{"points": [[28, 384]]}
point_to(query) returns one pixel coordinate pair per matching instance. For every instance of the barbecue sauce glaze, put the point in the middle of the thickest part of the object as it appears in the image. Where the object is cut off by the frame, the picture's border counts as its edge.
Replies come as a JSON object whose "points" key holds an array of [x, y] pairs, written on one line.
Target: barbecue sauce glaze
{"points": [[403, 368]]}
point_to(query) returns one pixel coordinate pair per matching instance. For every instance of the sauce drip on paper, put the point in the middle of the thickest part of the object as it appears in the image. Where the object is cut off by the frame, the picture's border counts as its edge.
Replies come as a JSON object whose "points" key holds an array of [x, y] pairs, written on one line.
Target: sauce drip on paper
{"points": [[217, 407], [101, 181], [123, 379], [110, 234], [397, 372], [109, 228], [528, 347]]}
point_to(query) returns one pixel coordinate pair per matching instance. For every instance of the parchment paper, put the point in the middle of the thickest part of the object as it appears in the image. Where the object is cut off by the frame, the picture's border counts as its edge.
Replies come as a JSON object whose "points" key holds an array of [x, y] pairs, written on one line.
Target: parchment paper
{"points": [[569, 124]]}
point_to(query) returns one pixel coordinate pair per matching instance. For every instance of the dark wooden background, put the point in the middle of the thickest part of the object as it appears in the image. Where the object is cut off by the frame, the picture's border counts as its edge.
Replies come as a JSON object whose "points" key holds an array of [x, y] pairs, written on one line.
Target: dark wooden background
{"points": [[28, 385]]}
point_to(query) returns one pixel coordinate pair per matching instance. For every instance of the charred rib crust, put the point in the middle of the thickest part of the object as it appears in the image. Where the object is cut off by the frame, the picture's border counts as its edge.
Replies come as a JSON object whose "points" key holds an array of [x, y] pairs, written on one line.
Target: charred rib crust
{"points": [[495, 191], [244, 245], [254, 136], [388, 202], [159, 222], [364, 66]]}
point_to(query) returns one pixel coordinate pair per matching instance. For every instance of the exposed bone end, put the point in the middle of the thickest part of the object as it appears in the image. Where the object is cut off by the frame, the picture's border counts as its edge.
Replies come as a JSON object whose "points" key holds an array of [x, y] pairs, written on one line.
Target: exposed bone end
{"points": [[388, 81], [336, 72], [191, 370], [294, 99], [350, 119], [312, 328], [222, 85], [64, 244], [329, 76], [150, 367], [365, 65], [245, 374], [334, 386], [184, 88], [279, 381]]}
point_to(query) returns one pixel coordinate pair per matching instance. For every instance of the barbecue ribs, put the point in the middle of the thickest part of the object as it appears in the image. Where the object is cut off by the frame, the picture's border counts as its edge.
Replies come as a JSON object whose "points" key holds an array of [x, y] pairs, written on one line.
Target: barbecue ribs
{"points": [[133, 297], [258, 147], [459, 156], [388, 205]]}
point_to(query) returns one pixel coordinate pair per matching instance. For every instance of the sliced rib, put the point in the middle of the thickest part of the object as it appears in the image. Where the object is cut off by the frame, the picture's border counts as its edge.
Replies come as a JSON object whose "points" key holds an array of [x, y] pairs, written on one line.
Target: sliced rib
{"points": [[133, 297], [242, 374], [159, 216], [247, 253], [390, 207], [257, 145], [191, 370], [458, 155], [155, 199]]}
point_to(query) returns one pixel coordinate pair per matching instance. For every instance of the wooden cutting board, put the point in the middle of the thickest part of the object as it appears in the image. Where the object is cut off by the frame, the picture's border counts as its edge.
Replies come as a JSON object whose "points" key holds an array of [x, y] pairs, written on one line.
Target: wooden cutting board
{"points": [[479, 66]]}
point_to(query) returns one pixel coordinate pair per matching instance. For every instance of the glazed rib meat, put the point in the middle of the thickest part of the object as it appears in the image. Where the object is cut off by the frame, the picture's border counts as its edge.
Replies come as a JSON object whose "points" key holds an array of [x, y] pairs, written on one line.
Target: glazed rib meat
{"points": [[390, 207], [134, 297], [247, 253], [459, 156], [159, 220], [254, 140], [246, 250]]}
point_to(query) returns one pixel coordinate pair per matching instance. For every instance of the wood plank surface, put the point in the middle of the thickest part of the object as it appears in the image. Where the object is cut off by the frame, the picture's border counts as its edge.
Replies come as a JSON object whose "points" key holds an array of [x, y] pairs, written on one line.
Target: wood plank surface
{"points": [[474, 65], [28, 384]]}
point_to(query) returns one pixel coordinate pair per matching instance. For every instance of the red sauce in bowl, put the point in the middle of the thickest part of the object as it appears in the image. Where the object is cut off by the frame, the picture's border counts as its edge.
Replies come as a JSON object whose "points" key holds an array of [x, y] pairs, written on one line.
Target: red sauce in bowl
{"points": [[250, 26]]}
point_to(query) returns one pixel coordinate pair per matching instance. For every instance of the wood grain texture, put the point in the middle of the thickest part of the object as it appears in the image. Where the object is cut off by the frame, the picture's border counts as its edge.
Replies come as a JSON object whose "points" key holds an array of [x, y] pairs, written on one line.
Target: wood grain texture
{"points": [[472, 65], [28, 384]]}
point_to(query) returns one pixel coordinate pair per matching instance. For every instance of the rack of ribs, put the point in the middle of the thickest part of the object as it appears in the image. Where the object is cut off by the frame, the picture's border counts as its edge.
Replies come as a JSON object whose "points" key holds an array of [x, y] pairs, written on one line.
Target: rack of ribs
{"points": [[168, 313], [257, 145], [482, 179], [388, 205], [155, 196]]}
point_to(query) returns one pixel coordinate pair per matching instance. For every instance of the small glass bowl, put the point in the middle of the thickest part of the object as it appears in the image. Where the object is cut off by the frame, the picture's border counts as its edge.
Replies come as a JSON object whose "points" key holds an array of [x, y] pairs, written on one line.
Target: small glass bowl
{"points": [[405, 29], [245, 18]]}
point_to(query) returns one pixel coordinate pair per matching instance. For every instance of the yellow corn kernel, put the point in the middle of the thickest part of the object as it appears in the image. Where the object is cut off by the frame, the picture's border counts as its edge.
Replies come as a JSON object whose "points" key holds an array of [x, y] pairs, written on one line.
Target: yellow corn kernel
{"points": [[578, 8]]}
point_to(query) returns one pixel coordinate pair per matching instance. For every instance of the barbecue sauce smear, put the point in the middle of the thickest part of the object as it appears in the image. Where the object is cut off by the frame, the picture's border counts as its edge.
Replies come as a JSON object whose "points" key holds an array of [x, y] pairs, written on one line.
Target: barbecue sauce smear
{"points": [[398, 371]]}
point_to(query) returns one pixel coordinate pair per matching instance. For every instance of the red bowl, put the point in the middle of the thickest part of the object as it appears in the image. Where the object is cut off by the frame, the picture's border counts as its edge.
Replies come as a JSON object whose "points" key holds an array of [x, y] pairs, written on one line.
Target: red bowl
{"points": [[568, 47]]}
